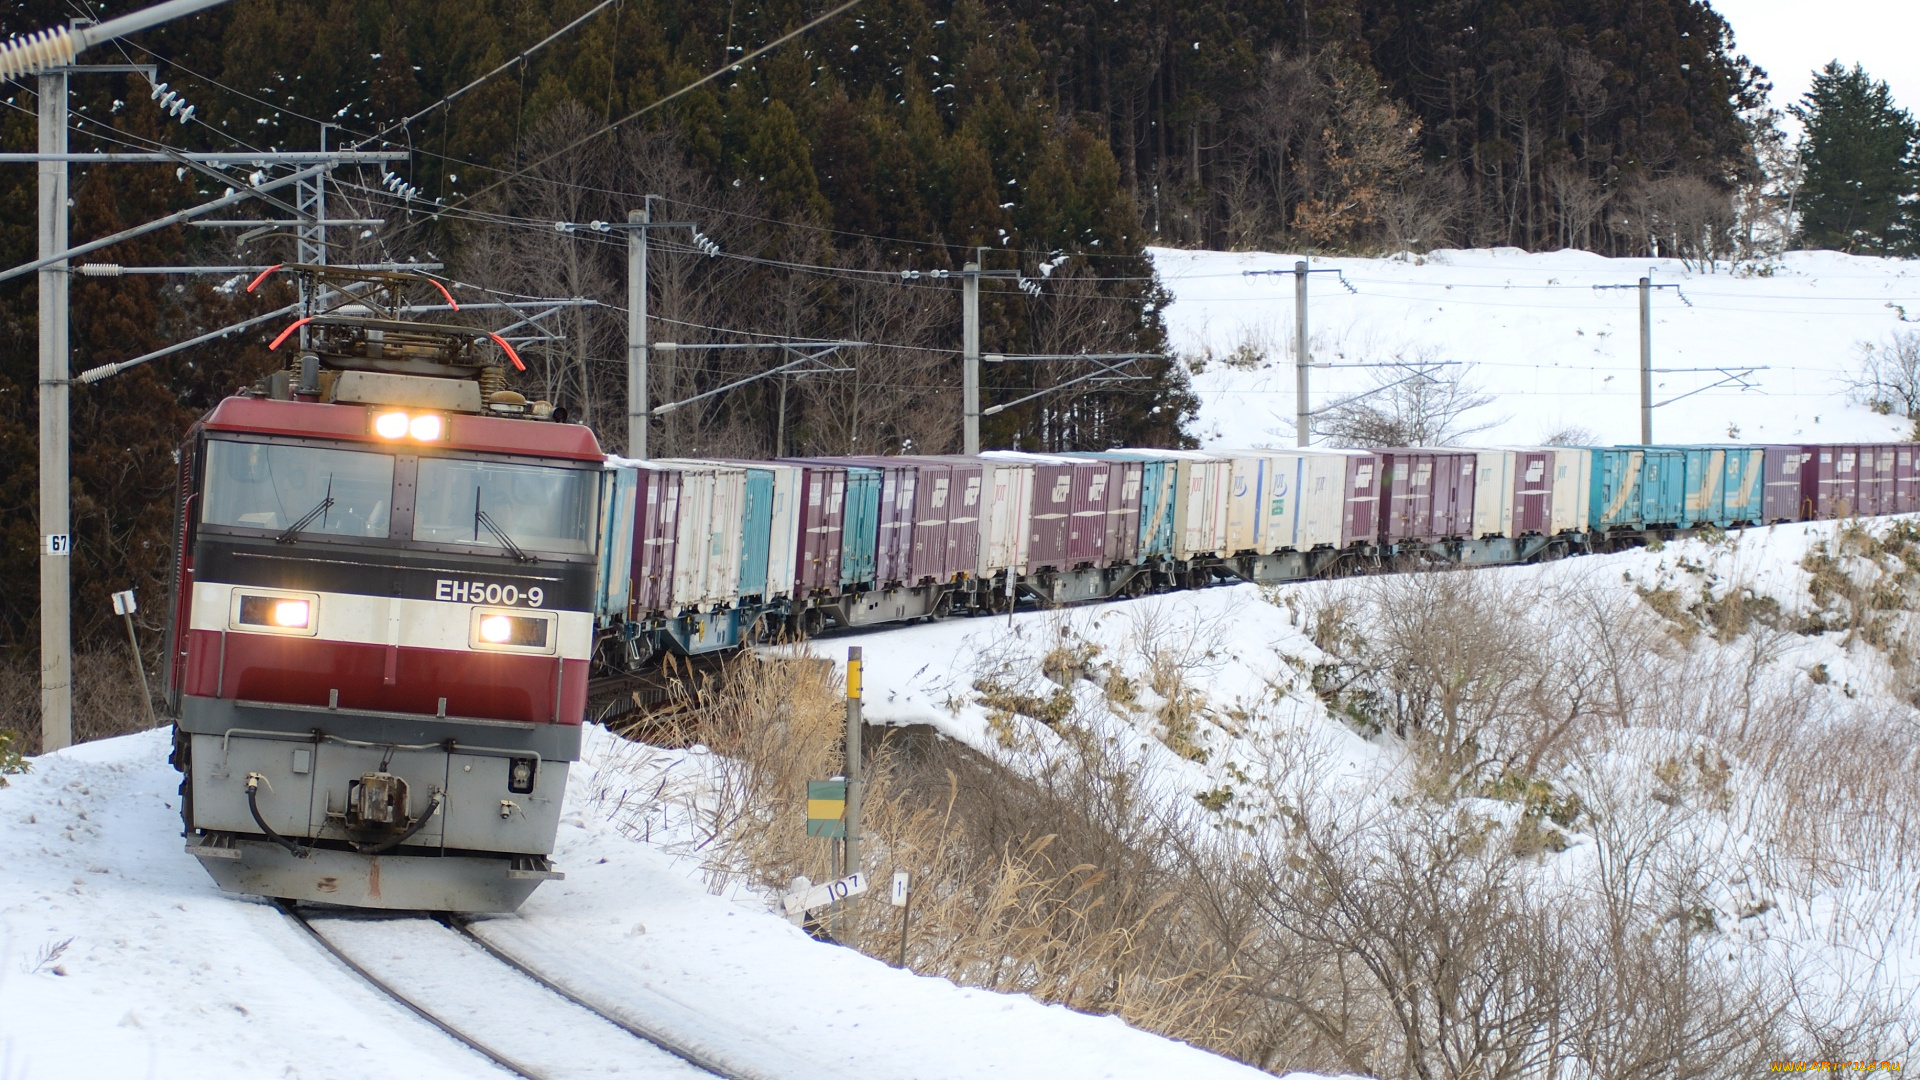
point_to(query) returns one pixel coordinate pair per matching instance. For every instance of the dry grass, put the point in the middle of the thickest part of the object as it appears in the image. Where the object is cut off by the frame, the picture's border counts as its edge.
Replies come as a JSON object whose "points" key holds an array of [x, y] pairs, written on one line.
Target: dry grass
{"points": [[106, 697]]}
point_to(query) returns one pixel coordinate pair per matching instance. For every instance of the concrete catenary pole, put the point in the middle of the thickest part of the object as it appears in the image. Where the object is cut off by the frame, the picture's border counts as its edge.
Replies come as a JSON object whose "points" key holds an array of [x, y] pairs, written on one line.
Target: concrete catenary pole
{"points": [[637, 329], [1646, 361], [56, 616], [970, 352], [856, 778], [1303, 411]]}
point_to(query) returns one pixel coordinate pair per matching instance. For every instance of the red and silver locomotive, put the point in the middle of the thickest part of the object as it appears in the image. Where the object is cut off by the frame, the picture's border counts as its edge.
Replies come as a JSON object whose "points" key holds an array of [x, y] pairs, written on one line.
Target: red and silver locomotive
{"points": [[386, 572]]}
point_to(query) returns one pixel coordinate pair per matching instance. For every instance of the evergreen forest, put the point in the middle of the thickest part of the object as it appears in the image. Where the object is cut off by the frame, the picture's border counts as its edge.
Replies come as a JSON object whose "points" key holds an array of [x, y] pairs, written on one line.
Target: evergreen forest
{"points": [[831, 187]]}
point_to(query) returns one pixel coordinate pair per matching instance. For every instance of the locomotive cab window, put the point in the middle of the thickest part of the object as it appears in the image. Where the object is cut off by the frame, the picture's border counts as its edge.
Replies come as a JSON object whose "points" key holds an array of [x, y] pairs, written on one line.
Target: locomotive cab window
{"points": [[498, 505], [298, 490]]}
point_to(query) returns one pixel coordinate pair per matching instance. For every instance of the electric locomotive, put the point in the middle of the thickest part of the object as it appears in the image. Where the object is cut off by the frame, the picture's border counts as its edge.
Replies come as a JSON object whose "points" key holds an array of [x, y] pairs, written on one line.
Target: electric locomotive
{"points": [[385, 572]]}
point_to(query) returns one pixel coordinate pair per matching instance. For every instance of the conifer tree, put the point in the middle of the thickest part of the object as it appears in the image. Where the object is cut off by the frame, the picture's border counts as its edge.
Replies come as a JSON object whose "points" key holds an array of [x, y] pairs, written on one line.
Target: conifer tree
{"points": [[1861, 170]]}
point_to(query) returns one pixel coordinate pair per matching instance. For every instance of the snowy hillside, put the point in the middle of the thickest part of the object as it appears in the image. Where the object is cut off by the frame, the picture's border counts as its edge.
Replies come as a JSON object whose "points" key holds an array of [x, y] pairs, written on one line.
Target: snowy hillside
{"points": [[1552, 349], [119, 958], [1708, 727]]}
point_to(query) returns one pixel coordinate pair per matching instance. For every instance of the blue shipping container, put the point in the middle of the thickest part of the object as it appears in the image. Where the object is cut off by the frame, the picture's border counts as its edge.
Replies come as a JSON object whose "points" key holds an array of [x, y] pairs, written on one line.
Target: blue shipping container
{"points": [[1156, 498], [860, 538], [756, 518], [1637, 486]]}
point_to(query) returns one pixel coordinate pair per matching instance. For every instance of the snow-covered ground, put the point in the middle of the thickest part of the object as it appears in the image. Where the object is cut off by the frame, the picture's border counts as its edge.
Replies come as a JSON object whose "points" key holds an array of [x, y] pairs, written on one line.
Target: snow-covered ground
{"points": [[119, 958], [1554, 351]]}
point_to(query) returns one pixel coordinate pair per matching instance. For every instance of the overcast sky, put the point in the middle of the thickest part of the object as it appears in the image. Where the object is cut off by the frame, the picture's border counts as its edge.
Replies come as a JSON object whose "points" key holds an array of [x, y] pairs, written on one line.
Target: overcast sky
{"points": [[1792, 38]]}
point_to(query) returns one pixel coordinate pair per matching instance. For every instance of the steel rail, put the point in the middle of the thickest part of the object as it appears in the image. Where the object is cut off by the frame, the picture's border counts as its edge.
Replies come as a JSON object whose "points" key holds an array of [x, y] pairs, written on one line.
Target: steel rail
{"points": [[463, 927], [454, 1033]]}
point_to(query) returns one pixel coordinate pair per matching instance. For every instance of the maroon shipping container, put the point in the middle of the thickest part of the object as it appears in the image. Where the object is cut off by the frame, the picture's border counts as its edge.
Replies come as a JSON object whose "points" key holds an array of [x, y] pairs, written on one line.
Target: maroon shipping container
{"points": [[1906, 478], [1123, 511], [1532, 493], [1883, 475], [1781, 485], [964, 503], [893, 550], [656, 525], [933, 487], [1830, 481], [1087, 538], [1052, 518], [823, 500], [1428, 495], [1360, 514]]}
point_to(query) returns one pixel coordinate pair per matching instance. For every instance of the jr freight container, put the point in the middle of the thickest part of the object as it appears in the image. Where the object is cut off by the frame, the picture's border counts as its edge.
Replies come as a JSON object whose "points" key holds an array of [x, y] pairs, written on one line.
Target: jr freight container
{"points": [[820, 523], [706, 572], [1428, 495], [615, 589], [770, 522], [1780, 486], [1884, 476], [1638, 487], [656, 535], [1705, 468], [1140, 522], [1006, 515], [1201, 491], [1050, 516], [1246, 500], [1744, 485], [1572, 488], [1533, 480], [1906, 479], [1305, 501], [1359, 497], [1493, 488]]}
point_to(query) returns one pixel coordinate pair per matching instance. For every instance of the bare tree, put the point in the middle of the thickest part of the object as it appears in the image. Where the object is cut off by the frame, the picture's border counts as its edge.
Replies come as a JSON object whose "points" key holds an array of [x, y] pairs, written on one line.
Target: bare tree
{"points": [[1887, 378], [1418, 400], [1570, 435]]}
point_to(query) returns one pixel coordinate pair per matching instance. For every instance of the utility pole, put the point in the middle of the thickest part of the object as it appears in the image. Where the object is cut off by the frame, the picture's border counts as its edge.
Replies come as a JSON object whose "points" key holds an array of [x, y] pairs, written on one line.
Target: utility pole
{"points": [[1647, 404], [856, 782], [1302, 359], [637, 328], [970, 354], [56, 541], [1302, 412], [1646, 361]]}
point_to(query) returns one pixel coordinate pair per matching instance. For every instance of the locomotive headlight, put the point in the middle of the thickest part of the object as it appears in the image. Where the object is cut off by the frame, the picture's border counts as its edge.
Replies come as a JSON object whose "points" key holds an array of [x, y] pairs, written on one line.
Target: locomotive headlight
{"points": [[426, 428], [391, 425], [293, 614], [494, 630], [274, 613]]}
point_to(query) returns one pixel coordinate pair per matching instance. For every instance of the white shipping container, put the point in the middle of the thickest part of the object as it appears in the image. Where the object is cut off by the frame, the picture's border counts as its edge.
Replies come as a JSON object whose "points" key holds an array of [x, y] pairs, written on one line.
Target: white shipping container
{"points": [[783, 547], [1006, 515], [1201, 496], [1493, 493], [1572, 488], [1304, 490], [1246, 501], [706, 572]]}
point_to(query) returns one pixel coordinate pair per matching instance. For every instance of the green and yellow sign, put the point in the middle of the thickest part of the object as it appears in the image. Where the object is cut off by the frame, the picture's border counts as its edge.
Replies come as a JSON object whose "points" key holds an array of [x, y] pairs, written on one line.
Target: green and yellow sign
{"points": [[827, 808]]}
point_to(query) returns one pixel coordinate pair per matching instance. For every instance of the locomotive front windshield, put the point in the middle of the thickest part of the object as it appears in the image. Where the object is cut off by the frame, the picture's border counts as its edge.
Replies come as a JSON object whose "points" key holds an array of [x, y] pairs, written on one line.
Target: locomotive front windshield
{"points": [[300, 492], [305, 488], [493, 504]]}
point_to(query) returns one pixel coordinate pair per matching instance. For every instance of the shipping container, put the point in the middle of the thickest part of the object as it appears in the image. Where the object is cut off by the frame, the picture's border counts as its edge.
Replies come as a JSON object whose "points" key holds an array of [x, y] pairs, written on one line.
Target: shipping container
{"points": [[1780, 486], [1638, 487], [1884, 476], [1744, 485], [1006, 515], [616, 542], [1306, 502], [818, 525], [1533, 480], [712, 536], [929, 556], [860, 532], [656, 535], [770, 524], [1705, 469], [1427, 494], [965, 515], [1359, 497], [893, 535], [1140, 523], [1906, 479], [1572, 488], [1493, 492], [1201, 492], [1087, 538], [1830, 481], [1246, 500], [1050, 515]]}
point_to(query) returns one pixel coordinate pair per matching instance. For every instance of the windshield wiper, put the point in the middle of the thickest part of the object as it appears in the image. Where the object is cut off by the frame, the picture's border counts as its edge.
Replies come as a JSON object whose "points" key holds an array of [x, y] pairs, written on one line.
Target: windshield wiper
{"points": [[482, 520], [293, 530]]}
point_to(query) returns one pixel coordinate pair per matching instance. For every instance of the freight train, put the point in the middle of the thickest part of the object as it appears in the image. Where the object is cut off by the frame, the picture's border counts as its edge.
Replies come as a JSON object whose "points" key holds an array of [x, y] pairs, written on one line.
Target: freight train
{"points": [[396, 579]]}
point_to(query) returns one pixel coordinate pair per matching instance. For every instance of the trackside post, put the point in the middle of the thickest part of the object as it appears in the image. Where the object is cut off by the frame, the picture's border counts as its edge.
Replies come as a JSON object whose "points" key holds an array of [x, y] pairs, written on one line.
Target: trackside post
{"points": [[856, 781]]}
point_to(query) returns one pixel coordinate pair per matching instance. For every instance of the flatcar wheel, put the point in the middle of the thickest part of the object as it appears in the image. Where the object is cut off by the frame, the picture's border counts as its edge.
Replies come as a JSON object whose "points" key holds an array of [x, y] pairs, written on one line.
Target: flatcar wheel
{"points": [[1137, 585], [942, 608], [812, 622]]}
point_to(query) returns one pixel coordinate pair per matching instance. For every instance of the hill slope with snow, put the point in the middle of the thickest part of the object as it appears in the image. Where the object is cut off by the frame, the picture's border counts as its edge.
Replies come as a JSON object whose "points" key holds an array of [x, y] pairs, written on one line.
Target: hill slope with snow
{"points": [[1552, 349]]}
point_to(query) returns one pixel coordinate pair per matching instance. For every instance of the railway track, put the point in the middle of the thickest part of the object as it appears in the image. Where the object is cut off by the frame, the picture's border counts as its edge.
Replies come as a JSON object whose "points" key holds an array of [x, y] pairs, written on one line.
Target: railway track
{"points": [[496, 1004]]}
